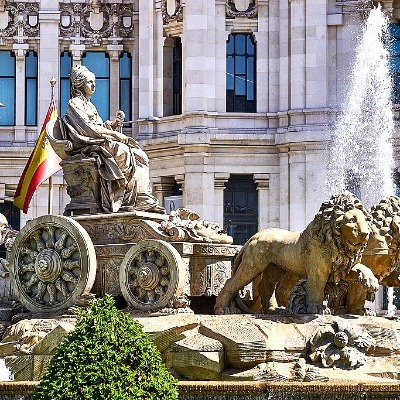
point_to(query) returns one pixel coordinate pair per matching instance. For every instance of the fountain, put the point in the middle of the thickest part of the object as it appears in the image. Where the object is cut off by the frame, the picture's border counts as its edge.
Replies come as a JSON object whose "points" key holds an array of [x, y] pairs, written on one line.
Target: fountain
{"points": [[360, 153]]}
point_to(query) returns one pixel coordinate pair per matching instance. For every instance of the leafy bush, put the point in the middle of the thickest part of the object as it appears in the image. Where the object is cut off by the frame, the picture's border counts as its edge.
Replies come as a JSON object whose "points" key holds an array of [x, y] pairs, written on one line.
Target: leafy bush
{"points": [[107, 356]]}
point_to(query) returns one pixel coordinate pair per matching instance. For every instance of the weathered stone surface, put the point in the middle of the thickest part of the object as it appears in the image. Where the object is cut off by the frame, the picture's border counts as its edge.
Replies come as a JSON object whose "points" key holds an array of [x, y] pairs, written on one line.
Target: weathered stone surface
{"points": [[234, 347], [245, 345], [198, 357], [50, 342]]}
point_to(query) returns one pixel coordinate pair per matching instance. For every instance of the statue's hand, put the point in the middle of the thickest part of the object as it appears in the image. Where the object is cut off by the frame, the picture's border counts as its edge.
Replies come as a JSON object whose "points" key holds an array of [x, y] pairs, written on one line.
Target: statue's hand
{"points": [[119, 119]]}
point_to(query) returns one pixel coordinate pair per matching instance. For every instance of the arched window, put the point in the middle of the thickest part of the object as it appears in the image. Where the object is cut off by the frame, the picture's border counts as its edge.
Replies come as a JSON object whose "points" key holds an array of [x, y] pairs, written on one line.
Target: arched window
{"points": [[31, 88], [125, 84], [394, 46], [65, 84], [99, 63], [7, 88], [240, 73]]}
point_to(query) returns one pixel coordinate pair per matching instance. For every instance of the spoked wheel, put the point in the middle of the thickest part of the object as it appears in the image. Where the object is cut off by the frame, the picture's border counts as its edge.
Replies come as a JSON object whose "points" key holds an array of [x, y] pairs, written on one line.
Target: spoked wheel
{"points": [[151, 273], [52, 263]]}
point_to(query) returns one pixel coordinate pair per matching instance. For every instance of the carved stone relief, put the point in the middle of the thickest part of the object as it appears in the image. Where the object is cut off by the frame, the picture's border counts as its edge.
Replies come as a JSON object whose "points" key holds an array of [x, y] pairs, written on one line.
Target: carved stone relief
{"points": [[241, 8], [96, 21], [172, 10], [19, 19]]}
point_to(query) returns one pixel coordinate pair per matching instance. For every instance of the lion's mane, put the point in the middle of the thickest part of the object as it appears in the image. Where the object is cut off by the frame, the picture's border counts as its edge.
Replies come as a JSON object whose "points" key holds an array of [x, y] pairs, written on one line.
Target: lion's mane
{"points": [[324, 228], [382, 217]]}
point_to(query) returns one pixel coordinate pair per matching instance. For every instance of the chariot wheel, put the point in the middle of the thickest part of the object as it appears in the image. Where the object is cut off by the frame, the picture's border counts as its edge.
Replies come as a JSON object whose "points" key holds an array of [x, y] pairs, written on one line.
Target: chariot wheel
{"points": [[52, 263], [151, 273]]}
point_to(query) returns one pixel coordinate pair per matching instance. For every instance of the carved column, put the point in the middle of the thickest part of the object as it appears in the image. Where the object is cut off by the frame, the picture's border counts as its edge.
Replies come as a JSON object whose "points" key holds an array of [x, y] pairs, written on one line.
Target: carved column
{"points": [[262, 181], [220, 180]]}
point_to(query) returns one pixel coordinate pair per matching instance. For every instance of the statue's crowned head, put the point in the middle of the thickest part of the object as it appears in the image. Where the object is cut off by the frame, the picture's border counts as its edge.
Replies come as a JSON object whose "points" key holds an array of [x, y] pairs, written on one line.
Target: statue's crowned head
{"points": [[78, 76]]}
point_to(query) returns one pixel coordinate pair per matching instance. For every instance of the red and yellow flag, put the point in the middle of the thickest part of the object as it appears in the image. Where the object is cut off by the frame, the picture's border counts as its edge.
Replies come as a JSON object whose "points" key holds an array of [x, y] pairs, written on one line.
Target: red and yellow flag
{"points": [[42, 164]]}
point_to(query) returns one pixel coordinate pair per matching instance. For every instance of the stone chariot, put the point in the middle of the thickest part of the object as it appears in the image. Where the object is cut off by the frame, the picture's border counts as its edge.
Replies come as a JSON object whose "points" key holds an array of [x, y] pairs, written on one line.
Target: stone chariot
{"points": [[154, 260]]}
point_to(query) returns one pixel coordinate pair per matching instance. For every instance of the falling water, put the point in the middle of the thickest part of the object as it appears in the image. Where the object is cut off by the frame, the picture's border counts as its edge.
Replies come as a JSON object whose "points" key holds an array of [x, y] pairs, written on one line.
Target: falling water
{"points": [[361, 154]]}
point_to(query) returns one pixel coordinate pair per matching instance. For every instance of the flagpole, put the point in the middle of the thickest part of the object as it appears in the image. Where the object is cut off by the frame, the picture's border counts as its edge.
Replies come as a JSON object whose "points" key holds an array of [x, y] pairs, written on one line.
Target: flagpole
{"points": [[53, 82]]}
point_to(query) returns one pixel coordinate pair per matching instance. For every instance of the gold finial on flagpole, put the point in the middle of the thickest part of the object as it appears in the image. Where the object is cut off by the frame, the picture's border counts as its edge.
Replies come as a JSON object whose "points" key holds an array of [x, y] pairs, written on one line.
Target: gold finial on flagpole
{"points": [[53, 82]]}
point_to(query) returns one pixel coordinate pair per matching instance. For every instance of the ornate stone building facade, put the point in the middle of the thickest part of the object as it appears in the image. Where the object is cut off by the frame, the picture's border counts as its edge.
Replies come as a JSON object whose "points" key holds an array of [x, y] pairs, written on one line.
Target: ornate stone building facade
{"points": [[231, 99]]}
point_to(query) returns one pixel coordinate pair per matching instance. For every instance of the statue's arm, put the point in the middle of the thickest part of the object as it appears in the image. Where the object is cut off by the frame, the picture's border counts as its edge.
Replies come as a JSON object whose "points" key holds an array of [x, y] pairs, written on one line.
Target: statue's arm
{"points": [[97, 129]]}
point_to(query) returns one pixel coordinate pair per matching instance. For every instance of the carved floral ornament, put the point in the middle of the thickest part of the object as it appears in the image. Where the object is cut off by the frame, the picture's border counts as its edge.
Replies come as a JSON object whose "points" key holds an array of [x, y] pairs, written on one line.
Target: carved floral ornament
{"points": [[19, 19], [96, 21]]}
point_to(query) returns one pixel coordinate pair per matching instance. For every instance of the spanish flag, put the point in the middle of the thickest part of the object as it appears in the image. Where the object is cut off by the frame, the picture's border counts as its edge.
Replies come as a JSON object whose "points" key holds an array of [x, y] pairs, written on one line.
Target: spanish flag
{"points": [[42, 164]]}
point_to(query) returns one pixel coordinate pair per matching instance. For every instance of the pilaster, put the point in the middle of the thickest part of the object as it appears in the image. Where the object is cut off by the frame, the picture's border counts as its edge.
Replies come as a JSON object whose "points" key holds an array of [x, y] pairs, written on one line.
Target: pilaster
{"points": [[262, 181], [220, 180]]}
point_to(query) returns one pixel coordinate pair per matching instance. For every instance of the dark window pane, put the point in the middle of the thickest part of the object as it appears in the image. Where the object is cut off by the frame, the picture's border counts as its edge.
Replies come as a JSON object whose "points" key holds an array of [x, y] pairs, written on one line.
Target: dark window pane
{"points": [[240, 74], [65, 94], [31, 65], [125, 66], [229, 73], [240, 44], [240, 65], [230, 44], [250, 45], [240, 85], [126, 98], [65, 64], [31, 101], [98, 63], [65, 84], [250, 79], [7, 62], [7, 90]]}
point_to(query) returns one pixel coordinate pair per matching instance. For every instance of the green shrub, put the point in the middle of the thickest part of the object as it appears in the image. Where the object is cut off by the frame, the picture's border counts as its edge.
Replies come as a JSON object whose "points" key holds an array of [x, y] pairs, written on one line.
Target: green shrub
{"points": [[106, 356]]}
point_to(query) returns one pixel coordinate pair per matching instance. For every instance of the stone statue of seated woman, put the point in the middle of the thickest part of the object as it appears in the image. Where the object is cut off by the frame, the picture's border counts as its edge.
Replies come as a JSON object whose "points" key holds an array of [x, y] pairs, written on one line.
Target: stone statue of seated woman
{"points": [[102, 166]]}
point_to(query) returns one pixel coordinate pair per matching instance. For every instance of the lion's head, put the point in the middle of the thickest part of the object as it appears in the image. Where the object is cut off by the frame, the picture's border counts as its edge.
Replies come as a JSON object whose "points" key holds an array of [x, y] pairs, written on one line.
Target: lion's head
{"points": [[385, 224], [343, 224]]}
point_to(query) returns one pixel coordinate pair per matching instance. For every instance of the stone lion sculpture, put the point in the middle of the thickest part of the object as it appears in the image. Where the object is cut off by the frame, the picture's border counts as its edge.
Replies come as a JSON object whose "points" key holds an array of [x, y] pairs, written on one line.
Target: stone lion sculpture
{"points": [[381, 255], [329, 248]]}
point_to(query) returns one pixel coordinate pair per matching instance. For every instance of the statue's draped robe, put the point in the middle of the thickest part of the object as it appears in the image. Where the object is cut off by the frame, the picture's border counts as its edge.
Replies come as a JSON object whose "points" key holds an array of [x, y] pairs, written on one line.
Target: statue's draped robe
{"points": [[123, 168]]}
